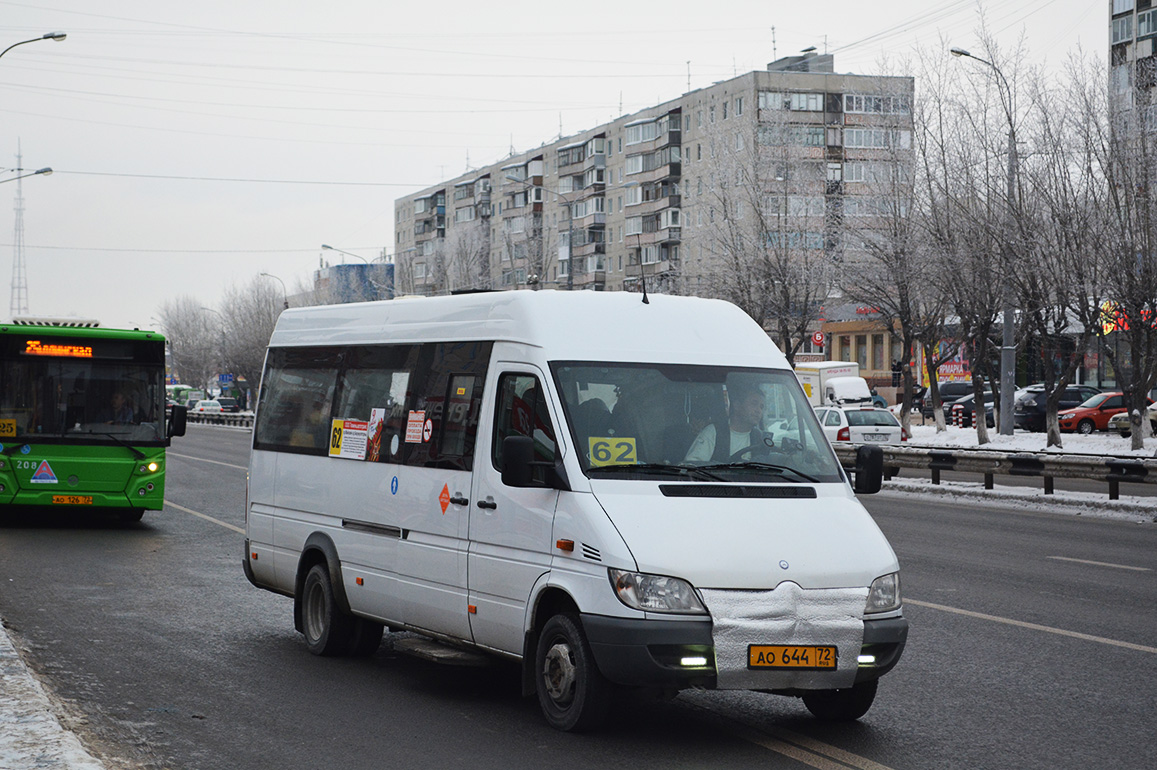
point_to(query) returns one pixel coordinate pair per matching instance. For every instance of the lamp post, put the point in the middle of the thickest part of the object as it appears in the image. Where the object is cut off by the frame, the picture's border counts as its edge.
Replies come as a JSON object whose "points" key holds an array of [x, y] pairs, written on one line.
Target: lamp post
{"points": [[222, 317], [327, 247], [45, 171], [57, 36], [569, 228], [1008, 331], [284, 292]]}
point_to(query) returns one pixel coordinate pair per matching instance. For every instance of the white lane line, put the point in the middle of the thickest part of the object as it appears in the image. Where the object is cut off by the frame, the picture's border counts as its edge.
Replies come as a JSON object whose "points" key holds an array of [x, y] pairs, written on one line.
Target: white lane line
{"points": [[1033, 626], [1100, 563], [204, 460], [171, 504]]}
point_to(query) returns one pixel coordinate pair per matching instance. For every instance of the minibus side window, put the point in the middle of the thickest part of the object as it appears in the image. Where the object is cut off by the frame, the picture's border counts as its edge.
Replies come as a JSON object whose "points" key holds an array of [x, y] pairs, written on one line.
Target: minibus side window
{"points": [[297, 391], [522, 411], [446, 389], [379, 377]]}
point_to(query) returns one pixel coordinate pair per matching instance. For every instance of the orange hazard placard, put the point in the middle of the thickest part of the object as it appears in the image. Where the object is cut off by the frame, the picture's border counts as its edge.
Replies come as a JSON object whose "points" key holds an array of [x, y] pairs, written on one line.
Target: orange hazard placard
{"points": [[444, 498]]}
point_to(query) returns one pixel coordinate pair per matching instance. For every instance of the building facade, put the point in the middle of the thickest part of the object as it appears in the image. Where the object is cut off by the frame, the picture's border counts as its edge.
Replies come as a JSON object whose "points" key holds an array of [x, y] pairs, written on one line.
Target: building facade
{"points": [[787, 156]]}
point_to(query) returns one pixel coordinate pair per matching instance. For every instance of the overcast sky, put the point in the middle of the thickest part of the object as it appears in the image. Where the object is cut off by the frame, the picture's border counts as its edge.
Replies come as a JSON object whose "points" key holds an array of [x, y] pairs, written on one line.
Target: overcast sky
{"points": [[197, 146]]}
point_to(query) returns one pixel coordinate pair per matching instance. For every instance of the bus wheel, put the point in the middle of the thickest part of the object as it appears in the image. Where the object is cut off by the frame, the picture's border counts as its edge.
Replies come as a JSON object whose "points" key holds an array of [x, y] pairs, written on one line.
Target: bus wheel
{"points": [[572, 692], [328, 630], [367, 637], [844, 705], [132, 514]]}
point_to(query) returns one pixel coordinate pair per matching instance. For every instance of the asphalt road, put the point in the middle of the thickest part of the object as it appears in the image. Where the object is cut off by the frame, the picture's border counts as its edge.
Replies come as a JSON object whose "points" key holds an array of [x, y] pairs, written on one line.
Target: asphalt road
{"points": [[1032, 646]]}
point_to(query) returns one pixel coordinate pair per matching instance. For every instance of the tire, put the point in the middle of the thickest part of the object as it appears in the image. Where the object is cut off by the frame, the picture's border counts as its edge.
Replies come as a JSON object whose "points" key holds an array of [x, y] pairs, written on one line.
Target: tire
{"points": [[367, 637], [328, 631], [131, 515], [1086, 427], [572, 692], [844, 705]]}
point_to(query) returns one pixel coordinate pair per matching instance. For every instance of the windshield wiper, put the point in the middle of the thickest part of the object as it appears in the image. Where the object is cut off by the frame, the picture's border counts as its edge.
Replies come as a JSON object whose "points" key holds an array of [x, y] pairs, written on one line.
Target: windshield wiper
{"points": [[751, 464], [670, 470], [138, 453]]}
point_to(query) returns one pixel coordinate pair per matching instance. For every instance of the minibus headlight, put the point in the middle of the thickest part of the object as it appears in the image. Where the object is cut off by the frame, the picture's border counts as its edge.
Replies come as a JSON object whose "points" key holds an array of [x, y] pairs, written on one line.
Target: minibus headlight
{"points": [[655, 593], [884, 595]]}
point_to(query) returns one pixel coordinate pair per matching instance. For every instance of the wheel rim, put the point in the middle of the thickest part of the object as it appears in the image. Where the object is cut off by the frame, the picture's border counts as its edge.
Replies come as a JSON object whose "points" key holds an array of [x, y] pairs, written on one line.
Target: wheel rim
{"points": [[314, 612], [1085, 428], [558, 673]]}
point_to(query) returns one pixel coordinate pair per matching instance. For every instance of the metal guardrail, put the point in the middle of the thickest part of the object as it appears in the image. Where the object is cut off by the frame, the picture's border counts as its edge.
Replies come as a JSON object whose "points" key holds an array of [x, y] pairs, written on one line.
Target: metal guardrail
{"points": [[236, 419], [989, 462]]}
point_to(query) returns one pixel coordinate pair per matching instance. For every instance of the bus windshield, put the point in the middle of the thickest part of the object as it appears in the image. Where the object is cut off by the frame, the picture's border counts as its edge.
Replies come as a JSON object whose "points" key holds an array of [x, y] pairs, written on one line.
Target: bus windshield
{"points": [[82, 398], [662, 421]]}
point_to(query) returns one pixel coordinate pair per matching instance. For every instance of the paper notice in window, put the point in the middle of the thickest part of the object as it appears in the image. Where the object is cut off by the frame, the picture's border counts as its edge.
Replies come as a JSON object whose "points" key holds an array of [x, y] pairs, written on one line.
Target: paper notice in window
{"points": [[374, 434], [348, 439], [414, 423]]}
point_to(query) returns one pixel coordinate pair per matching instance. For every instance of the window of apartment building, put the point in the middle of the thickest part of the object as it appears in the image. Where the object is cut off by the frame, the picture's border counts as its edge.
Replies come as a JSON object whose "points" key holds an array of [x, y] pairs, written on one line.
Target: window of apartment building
{"points": [[807, 102], [1122, 29], [515, 224], [805, 205], [634, 164], [698, 152], [699, 119], [885, 105], [1121, 6], [835, 172], [464, 214], [421, 205], [711, 113], [877, 138], [634, 225], [634, 195], [725, 109], [463, 191], [1146, 23], [642, 132], [687, 122], [420, 271], [773, 100], [739, 144], [739, 106]]}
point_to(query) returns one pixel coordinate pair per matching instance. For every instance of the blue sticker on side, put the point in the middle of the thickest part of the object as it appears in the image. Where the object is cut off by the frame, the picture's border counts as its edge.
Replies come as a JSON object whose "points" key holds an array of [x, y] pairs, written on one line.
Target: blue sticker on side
{"points": [[25, 449], [394, 486]]}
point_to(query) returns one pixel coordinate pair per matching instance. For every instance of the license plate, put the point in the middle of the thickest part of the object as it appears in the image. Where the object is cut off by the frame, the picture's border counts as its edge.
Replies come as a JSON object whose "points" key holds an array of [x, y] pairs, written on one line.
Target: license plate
{"points": [[875, 437], [791, 656], [72, 499]]}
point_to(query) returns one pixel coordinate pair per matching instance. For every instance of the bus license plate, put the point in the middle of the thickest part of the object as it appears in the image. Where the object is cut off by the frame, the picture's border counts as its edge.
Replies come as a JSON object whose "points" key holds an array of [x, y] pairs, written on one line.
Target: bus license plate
{"points": [[791, 656], [72, 499]]}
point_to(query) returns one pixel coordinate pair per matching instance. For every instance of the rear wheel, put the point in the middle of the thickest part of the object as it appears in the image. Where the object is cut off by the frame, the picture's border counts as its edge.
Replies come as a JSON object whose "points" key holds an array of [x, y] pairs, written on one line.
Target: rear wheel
{"points": [[572, 692], [1085, 427], [843, 705], [328, 631]]}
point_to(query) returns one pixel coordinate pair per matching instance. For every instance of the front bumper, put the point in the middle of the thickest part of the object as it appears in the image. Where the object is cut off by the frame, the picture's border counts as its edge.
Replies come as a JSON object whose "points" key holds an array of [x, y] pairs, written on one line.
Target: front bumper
{"points": [[649, 653]]}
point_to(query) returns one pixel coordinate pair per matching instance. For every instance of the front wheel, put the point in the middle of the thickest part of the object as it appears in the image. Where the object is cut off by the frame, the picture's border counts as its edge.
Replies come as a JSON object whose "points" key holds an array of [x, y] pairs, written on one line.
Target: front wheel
{"points": [[1085, 427], [844, 705], [572, 692]]}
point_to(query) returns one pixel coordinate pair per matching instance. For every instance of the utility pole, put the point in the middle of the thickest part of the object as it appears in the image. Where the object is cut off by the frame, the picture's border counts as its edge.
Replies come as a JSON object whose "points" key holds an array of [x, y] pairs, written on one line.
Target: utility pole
{"points": [[19, 301]]}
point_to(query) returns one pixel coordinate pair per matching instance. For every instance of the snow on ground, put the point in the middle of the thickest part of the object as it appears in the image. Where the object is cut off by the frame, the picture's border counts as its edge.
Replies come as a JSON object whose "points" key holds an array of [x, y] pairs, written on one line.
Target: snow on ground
{"points": [[1022, 441], [30, 734]]}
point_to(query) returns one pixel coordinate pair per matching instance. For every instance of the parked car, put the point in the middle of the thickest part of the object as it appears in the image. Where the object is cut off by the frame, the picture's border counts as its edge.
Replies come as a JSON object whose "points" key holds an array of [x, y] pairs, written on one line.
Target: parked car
{"points": [[229, 404], [1120, 422], [1029, 411], [949, 392], [966, 407], [207, 406], [1093, 414], [860, 424]]}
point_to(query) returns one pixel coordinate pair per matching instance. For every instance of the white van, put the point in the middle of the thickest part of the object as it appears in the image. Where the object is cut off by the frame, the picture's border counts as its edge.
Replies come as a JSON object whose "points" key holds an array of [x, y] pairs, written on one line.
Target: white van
{"points": [[616, 493]]}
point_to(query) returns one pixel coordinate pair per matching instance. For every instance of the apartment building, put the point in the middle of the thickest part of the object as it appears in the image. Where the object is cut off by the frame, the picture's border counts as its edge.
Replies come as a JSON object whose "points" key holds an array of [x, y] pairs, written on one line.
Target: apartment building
{"points": [[798, 147], [1132, 52]]}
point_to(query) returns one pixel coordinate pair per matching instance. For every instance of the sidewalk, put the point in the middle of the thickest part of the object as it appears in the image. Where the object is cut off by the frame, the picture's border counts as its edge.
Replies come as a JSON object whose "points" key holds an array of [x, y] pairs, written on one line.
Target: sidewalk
{"points": [[31, 737]]}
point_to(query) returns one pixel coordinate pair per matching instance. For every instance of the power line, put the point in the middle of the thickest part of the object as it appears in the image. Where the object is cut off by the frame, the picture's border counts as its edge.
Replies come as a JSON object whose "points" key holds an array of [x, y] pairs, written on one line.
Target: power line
{"points": [[235, 179]]}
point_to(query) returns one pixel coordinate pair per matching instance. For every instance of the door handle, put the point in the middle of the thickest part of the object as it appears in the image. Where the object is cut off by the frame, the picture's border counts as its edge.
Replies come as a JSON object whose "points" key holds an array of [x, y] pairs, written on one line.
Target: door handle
{"points": [[488, 504], [459, 501]]}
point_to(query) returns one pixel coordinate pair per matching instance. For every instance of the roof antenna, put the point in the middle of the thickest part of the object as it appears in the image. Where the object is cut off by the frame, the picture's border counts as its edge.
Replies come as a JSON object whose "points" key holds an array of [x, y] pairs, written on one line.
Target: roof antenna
{"points": [[642, 272]]}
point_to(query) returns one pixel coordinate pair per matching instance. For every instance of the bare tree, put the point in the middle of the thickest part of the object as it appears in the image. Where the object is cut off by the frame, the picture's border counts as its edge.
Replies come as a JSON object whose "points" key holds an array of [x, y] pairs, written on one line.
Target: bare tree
{"points": [[249, 314], [194, 340]]}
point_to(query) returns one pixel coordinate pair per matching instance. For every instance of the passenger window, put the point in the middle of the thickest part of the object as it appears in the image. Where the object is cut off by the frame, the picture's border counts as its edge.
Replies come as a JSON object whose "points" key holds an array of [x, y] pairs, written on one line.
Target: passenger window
{"points": [[522, 411], [294, 413], [833, 418], [447, 391]]}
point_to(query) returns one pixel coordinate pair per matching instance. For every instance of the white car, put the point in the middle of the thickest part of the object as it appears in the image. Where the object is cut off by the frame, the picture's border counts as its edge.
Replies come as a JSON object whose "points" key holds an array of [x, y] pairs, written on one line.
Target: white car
{"points": [[1120, 422], [860, 424], [207, 406]]}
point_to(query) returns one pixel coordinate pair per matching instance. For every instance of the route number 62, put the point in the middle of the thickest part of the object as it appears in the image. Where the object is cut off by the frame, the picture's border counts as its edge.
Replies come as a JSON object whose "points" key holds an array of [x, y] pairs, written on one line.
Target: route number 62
{"points": [[612, 451]]}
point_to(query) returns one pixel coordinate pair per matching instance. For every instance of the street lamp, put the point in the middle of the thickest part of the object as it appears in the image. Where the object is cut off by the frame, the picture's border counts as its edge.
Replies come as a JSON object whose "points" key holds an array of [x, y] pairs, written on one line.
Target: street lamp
{"points": [[1008, 332], [284, 292], [57, 36], [569, 227], [45, 171], [348, 254]]}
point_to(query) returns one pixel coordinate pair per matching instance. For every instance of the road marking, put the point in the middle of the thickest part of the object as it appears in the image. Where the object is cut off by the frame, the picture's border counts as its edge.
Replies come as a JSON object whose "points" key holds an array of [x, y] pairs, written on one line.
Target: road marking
{"points": [[1100, 563], [171, 504], [1034, 626], [204, 460]]}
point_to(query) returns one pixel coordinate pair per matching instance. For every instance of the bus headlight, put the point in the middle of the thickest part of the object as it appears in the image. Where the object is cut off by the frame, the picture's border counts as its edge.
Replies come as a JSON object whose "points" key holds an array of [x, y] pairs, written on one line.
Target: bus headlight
{"points": [[655, 593]]}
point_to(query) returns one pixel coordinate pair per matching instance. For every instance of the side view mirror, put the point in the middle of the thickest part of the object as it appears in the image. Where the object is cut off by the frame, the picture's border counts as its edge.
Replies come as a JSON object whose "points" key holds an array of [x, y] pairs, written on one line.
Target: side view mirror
{"points": [[869, 469], [518, 466], [178, 420]]}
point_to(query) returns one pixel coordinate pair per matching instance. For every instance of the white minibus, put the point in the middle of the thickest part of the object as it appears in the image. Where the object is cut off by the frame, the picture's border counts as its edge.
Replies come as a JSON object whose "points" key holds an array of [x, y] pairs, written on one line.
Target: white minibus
{"points": [[617, 491]]}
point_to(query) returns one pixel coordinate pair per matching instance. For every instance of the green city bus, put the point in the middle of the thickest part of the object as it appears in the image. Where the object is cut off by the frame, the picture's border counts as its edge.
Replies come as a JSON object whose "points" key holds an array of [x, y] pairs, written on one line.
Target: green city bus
{"points": [[83, 423]]}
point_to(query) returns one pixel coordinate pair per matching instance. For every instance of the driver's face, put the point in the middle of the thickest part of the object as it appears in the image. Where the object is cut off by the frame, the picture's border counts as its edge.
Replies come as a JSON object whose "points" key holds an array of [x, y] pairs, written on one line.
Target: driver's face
{"points": [[748, 410]]}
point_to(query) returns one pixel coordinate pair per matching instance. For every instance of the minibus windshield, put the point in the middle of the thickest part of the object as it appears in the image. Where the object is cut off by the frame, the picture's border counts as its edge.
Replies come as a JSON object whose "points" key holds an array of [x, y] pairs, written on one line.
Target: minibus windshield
{"points": [[701, 423]]}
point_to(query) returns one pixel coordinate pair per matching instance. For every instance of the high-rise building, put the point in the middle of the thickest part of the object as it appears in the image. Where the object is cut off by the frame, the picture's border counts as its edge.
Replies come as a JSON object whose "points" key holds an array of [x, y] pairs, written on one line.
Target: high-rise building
{"points": [[787, 155]]}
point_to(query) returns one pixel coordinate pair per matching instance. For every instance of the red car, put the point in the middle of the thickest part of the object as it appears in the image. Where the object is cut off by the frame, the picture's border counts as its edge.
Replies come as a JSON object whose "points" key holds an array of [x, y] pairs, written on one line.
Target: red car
{"points": [[1094, 413]]}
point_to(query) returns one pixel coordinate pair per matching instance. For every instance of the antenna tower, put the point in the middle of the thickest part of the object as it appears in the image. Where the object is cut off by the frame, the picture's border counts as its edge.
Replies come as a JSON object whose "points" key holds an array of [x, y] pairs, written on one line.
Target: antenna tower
{"points": [[19, 302]]}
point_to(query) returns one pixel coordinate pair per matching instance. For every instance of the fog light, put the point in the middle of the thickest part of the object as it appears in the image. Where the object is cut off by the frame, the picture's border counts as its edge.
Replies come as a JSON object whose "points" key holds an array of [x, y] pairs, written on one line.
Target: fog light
{"points": [[866, 660], [693, 661], [141, 492], [149, 486]]}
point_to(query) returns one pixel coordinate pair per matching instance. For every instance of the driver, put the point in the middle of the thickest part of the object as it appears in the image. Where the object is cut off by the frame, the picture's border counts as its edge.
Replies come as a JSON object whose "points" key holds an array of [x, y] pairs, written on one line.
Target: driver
{"points": [[744, 415]]}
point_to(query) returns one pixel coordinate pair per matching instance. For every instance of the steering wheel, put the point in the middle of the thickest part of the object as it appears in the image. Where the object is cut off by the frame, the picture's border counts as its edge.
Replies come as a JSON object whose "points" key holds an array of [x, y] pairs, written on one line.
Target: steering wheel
{"points": [[754, 450]]}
